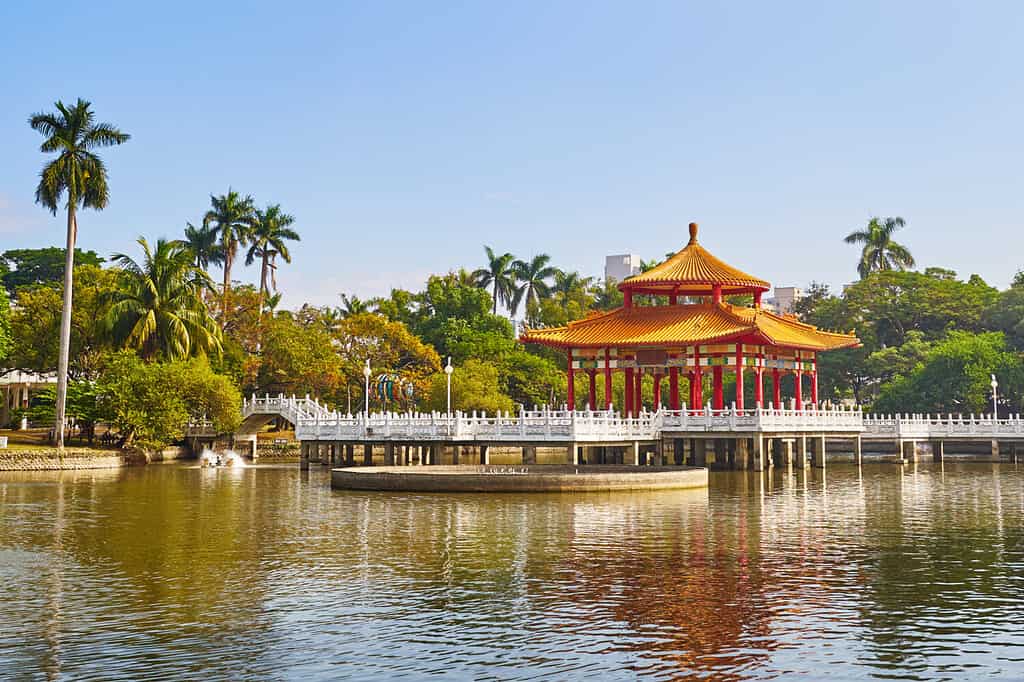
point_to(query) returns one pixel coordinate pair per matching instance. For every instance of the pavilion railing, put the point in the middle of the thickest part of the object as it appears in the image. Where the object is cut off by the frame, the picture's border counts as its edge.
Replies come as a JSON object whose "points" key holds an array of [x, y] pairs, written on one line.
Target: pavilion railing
{"points": [[936, 426]]}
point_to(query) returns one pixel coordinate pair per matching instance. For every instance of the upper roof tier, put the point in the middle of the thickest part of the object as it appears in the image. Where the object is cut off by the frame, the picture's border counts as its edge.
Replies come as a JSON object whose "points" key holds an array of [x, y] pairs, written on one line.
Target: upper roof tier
{"points": [[693, 272]]}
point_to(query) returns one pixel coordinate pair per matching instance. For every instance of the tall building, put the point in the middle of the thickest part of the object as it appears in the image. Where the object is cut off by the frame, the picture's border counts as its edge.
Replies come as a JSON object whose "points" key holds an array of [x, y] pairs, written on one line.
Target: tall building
{"points": [[621, 266], [784, 299]]}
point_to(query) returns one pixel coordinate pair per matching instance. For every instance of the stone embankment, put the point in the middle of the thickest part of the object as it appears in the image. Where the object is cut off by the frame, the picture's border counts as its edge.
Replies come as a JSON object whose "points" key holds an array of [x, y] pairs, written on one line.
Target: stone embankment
{"points": [[14, 459]]}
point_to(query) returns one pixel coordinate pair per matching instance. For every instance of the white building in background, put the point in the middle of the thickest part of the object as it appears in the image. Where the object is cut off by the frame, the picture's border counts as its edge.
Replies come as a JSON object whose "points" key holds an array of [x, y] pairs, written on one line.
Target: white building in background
{"points": [[17, 388], [621, 266], [783, 299]]}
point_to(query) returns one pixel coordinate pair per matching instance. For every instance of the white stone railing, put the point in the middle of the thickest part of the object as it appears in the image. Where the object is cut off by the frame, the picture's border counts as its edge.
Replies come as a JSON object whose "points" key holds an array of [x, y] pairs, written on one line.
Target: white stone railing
{"points": [[314, 421], [568, 426], [950, 426]]}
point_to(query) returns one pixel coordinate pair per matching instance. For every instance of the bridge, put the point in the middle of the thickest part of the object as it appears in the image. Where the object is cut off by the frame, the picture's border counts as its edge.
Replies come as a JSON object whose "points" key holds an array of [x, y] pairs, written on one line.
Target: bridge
{"points": [[753, 438]]}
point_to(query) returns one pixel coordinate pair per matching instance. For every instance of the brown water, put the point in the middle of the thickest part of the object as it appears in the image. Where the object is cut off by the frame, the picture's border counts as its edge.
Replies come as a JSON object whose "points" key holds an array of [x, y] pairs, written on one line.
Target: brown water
{"points": [[172, 572]]}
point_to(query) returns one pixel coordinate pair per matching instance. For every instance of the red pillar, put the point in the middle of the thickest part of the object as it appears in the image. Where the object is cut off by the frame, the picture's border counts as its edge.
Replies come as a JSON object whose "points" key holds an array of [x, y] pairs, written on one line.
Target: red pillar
{"points": [[776, 389], [798, 389], [716, 379], [716, 293], [592, 396], [638, 393], [657, 391], [607, 379], [739, 376], [698, 382], [627, 403], [673, 388], [814, 384], [571, 399], [759, 386]]}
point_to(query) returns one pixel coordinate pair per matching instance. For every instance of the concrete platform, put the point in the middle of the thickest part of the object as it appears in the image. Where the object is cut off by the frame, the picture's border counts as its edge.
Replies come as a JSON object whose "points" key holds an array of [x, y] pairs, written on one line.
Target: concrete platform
{"points": [[518, 478]]}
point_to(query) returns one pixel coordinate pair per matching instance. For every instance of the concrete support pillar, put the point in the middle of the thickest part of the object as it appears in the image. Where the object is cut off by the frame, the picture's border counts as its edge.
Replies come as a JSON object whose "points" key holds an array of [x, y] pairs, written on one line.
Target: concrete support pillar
{"points": [[677, 452], [350, 454], [529, 454], [252, 453], [819, 452], [995, 450], [721, 461], [700, 452], [858, 454], [634, 454], [389, 454], [368, 454], [455, 453], [573, 453], [304, 455], [804, 452], [908, 450], [757, 455], [790, 452], [938, 450], [742, 454], [485, 455]]}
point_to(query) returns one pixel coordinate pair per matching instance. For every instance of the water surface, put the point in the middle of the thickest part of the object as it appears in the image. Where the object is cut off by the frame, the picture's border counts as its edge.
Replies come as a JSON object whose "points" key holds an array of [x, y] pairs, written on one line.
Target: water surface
{"points": [[176, 572]]}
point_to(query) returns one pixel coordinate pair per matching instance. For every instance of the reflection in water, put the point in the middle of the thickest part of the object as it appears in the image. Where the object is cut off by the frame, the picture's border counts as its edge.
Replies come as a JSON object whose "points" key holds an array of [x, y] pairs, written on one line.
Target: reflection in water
{"points": [[262, 572]]}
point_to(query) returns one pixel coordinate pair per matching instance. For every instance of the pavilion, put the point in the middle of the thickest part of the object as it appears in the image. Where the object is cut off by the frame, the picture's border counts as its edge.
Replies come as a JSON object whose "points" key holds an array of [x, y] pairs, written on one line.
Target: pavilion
{"points": [[689, 316]]}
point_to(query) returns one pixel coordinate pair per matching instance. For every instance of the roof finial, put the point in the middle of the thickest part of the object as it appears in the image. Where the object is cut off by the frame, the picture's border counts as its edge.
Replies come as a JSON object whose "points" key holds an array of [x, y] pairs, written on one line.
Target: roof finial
{"points": [[693, 233]]}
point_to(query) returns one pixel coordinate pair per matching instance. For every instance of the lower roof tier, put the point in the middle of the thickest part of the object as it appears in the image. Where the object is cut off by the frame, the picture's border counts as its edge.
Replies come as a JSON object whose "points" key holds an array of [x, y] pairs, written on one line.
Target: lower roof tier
{"points": [[674, 325]]}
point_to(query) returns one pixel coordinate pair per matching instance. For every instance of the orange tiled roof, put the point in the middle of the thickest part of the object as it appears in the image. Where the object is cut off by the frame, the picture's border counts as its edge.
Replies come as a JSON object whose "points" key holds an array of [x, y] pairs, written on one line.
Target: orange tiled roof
{"points": [[686, 324], [694, 269]]}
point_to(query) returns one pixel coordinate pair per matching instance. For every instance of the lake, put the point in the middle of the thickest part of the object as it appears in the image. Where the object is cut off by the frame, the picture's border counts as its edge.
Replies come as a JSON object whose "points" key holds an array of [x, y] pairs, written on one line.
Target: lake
{"points": [[264, 573]]}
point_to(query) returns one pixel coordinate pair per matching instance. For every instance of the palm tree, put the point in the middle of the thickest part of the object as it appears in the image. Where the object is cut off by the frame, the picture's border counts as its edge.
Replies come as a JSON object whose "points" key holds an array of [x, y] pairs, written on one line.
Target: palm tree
{"points": [[232, 217], [270, 231], [880, 251], [159, 308], [353, 305], [201, 242], [532, 278], [569, 283], [79, 177], [499, 275]]}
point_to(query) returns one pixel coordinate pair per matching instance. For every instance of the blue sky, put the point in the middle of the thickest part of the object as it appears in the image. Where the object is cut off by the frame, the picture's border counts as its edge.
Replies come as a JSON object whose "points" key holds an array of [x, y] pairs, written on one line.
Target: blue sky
{"points": [[404, 136]]}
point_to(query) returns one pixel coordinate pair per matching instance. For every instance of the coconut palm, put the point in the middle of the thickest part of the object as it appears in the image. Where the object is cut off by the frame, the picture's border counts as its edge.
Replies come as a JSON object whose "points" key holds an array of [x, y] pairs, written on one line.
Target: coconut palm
{"points": [[78, 178], [201, 242], [159, 308], [532, 278], [880, 251], [569, 283], [232, 216], [353, 305], [499, 275], [269, 233]]}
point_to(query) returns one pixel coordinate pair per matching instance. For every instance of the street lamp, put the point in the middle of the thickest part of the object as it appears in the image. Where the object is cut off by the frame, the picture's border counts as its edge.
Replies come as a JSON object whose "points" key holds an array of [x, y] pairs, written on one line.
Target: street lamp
{"points": [[994, 385], [366, 391], [448, 369]]}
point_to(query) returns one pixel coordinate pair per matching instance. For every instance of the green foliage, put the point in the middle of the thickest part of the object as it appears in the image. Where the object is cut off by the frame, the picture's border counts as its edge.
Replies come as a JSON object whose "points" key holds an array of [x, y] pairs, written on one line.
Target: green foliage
{"points": [[530, 380], [953, 375], [35, 323], [158, 309], [82, 408], [475, 386], [6, 339], [151, 404], [28, 267]]}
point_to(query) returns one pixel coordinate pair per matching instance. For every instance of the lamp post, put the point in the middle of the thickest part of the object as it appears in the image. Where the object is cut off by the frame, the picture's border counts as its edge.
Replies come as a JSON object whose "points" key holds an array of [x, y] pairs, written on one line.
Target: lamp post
{"points": [[448, 369], [366, 390], [994, 385]]}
